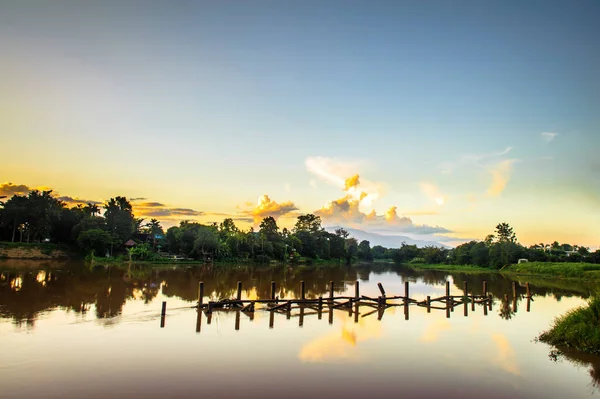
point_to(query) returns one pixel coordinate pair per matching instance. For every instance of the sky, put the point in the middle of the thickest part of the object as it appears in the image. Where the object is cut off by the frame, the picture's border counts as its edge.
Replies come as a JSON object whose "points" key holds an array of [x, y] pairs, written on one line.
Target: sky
{"points": [[429, 119]]}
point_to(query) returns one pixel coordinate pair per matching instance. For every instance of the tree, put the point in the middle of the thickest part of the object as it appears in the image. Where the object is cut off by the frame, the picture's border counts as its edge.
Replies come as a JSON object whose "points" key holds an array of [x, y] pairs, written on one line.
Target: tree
{"points": [[309, 222], [364, 250], [119, 219], [505, 233], [94, 240]]}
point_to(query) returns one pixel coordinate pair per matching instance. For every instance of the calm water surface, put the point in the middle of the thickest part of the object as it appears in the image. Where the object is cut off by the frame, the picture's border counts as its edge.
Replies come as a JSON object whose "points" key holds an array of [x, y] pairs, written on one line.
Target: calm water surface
{"points": [[71, 332]]}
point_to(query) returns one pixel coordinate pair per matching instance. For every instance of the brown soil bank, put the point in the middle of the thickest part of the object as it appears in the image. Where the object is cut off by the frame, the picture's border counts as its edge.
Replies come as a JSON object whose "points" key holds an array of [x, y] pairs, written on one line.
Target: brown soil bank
{"points": [[32, 251]]}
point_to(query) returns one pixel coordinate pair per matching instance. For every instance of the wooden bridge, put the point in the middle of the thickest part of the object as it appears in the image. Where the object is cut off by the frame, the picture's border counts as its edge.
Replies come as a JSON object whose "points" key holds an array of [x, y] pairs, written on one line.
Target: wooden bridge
{"points": [[351, 304]]}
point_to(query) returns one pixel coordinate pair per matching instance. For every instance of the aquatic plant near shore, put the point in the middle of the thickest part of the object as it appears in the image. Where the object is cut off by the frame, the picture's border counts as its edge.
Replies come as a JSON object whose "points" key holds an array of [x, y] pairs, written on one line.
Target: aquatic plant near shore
{"points": [[579, 329]]}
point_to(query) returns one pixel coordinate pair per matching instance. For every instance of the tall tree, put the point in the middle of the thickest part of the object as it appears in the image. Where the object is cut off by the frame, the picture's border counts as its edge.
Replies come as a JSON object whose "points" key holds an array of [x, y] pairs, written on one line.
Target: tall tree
{"points": [[505, 233]]}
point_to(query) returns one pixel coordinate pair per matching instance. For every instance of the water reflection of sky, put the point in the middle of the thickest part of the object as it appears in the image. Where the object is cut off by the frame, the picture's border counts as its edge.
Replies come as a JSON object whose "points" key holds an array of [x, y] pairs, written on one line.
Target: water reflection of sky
{"points": [[76, 354]]}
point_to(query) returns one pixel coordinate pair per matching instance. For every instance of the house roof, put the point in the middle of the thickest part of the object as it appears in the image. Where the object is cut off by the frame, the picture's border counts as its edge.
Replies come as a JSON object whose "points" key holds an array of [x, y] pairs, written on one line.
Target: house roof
{"points": [[130, 243]]}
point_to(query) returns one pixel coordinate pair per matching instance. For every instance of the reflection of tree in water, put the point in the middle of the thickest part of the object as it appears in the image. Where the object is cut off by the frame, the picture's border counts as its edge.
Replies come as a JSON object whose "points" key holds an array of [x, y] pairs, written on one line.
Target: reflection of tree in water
{"points": [[506, 312], [582, 360]]}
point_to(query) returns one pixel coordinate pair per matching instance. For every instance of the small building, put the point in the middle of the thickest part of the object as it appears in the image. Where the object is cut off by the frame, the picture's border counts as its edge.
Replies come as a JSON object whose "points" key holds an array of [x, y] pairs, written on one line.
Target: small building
{"points": [[130, 243]]}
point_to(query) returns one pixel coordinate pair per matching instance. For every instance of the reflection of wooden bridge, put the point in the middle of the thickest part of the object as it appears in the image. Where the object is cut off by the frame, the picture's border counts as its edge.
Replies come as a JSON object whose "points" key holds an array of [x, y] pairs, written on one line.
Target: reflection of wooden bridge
{"points": [[351, 304]]}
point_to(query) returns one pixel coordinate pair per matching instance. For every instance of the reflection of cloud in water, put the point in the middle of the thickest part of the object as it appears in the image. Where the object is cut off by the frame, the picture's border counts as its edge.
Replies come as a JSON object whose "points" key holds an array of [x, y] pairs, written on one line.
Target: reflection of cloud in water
{"points": [[505, 357], [433, 330], [341, 346]]}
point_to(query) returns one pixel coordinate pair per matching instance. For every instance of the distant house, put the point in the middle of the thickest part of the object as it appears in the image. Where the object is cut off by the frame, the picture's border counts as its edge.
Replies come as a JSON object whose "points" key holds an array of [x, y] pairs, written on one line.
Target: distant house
{"points": [[130, 243]]}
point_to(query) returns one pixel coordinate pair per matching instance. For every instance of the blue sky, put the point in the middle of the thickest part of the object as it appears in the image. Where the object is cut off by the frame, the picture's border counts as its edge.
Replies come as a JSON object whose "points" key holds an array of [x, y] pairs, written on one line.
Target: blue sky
{"points": [[209, 105]]}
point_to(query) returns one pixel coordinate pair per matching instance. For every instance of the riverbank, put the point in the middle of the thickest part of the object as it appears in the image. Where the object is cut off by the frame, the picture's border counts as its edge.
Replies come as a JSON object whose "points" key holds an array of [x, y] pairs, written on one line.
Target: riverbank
{"points": [[564, 270], [33, 251], [578, 329]]}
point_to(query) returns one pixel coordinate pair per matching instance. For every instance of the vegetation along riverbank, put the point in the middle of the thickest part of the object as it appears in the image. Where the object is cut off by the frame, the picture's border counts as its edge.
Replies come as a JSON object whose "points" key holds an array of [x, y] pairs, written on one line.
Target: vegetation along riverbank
{"points": [[579, 329]]}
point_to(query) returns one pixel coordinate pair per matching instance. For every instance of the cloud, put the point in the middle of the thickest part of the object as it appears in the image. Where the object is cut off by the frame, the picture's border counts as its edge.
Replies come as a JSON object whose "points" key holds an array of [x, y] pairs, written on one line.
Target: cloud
{"points": [[433, 193], [8, 189], [345, 211], [335, 172], [351, 182], [505, 354], [267, 207], [150, 204], [160, 210], [76, 201], [501, 173], [137, 199], [548, 136]]}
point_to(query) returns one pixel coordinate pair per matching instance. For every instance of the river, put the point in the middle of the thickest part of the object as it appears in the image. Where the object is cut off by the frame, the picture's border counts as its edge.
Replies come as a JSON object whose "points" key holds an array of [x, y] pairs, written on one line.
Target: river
{"points": [[71, 332]]}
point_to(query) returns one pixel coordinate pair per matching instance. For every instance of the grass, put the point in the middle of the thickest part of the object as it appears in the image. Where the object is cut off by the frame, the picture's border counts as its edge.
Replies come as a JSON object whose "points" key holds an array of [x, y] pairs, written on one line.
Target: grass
{"points": [[556, 269], [451, 268], [579, 329]]}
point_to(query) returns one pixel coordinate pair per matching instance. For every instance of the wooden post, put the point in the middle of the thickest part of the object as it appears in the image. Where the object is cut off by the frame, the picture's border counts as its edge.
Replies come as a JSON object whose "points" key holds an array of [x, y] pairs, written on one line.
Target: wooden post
{"points": [[406, 292], [356, 307], [465, 307], [485, 309], [490, 300], [199, 320], [356, 290], [273, 290], [301, 318], [331, 314], [271, 318], [447, 290], [484, 288], [514, 304], [514, 287], [528, 291], [320, 308], [200, 293], [288, 315], [208, 317], [428, 304], [406, 311], [302, 292], [239, 291], [163, 314], [331, 288], [472, 301], [528, 303], [237, 320], [381, 289], [447, 309]]}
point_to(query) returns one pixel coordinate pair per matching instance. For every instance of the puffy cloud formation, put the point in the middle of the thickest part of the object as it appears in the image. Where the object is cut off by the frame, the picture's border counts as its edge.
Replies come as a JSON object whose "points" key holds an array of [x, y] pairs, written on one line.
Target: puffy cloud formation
{"points": [[9, 189], [351, 182], [335, 172], [345, 211], [267, 207]]}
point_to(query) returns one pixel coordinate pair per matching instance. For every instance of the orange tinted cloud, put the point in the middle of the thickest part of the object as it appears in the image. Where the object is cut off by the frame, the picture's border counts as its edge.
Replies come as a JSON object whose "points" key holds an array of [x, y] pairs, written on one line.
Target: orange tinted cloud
{"points": [[267, 207], [351, 182]]}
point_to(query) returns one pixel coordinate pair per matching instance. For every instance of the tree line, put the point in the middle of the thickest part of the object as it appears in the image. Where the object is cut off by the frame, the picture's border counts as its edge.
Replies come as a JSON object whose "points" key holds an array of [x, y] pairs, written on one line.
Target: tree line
{"points": [[495, 251], [40, 217]]}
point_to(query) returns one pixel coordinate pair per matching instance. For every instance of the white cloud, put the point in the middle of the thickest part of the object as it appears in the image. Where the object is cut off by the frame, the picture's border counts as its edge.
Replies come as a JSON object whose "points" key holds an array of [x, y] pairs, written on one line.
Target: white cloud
{"points": [[548, 136]]}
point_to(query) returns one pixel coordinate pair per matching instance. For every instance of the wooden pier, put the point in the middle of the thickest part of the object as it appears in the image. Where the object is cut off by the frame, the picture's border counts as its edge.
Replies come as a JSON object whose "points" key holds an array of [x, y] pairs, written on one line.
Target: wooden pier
{"points": [[350, 304]]}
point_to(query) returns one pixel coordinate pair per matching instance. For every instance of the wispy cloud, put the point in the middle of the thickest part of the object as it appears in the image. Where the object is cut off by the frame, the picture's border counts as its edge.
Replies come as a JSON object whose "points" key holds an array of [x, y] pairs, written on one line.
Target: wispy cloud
{"points": [[163, 212], [501, 173], [77, 201], [548, 136], [433, 193]]}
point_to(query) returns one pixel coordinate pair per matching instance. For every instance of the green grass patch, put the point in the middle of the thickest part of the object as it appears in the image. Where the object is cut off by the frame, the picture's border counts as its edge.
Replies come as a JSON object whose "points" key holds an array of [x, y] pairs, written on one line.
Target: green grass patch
{"points": [[451, 268], [579, 329], [557, 269]]}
